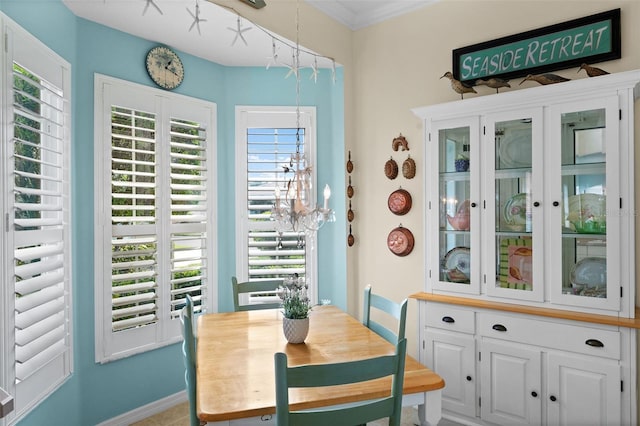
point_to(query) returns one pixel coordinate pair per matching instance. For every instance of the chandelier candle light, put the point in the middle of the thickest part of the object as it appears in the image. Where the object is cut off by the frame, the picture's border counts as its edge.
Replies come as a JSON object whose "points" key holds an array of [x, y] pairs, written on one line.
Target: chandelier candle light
{"points": [[294, 212]]}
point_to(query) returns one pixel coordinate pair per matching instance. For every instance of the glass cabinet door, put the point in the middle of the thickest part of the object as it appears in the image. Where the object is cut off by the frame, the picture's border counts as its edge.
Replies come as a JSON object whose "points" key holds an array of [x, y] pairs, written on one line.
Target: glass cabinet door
{"points": [[513, 211], [457, 226], [586, 225]]}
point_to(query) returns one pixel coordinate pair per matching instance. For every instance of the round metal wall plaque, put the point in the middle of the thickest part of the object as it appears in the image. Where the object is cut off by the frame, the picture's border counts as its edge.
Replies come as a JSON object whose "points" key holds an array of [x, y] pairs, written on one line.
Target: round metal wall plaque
{"points": [[399, 202], [400, 241]]}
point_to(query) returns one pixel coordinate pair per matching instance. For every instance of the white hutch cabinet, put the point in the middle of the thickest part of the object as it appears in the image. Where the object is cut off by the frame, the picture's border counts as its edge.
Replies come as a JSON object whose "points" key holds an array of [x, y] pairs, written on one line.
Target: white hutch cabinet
{"points": [[528, 311]]}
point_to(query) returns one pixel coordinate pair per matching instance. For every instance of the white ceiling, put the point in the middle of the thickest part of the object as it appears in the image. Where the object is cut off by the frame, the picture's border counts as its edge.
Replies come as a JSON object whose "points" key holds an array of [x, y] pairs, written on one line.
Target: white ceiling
{"points": [[357, 14], [175, 26]]}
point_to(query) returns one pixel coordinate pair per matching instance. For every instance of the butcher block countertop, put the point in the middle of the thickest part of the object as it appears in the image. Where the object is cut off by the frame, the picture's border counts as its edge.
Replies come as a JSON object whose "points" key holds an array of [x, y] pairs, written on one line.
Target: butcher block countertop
{"points": [[532, 310]]}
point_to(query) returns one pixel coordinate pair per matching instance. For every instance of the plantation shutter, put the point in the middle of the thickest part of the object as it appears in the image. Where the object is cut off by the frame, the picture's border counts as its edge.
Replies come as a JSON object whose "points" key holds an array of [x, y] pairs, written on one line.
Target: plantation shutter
{"points": [[189, 195], [133, 216], [271, 254], [156, 193], [41, 249]]}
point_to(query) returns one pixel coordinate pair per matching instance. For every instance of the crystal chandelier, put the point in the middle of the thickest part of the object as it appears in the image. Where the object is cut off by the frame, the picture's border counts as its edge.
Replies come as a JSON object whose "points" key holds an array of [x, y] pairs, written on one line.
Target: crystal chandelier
{"points": [[293, 210]]}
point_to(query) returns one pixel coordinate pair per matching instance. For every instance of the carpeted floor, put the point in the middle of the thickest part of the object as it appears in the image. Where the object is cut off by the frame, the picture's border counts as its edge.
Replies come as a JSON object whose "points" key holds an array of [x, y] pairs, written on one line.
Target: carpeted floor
{"points": [[179, 416]]}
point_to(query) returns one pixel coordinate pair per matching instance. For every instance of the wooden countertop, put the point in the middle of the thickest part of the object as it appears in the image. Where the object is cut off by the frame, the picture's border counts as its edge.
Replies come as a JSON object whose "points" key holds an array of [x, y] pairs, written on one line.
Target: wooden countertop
{"points": [[532, 310]]}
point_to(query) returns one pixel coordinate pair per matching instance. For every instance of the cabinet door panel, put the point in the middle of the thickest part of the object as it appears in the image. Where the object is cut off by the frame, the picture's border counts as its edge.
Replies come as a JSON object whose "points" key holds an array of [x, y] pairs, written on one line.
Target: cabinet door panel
{"points": [[510, 376], [453, 221], [514, 198], [585, 215], [585, 391], [452, 356]]}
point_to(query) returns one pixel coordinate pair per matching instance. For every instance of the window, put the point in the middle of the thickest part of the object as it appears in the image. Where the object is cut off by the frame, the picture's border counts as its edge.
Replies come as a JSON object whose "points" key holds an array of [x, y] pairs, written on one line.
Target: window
{"points": [[265, 140], [36, 241], [155, 192]]}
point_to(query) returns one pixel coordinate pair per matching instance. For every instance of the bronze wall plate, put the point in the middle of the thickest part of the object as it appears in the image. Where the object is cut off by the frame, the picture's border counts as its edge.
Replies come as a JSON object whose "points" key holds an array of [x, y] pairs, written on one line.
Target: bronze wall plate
{"points": [[399, 202], [400, 241]]}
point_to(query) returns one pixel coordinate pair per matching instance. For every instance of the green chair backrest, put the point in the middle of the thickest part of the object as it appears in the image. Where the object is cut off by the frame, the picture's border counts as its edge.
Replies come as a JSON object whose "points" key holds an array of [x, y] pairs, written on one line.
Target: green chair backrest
{"points": [[319, 375], [267, 286], [189, 354], [390, 308]]}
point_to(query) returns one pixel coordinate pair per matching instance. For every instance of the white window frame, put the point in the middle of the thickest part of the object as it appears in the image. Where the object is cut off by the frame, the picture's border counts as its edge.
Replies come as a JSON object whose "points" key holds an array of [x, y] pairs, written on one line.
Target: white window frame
{"points": [[26, 50], [111, 345], [247, 117]]}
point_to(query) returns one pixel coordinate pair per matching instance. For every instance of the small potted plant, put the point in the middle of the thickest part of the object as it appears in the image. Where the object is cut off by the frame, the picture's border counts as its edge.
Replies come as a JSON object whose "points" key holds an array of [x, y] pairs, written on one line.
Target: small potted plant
{"points": [[296, 306]]}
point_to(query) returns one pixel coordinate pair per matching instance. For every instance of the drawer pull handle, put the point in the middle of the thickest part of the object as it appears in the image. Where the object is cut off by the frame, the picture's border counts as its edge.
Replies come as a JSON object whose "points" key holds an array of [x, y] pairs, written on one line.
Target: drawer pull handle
{"points": [[448, 319], [552, 398], [595, 343], [499, 327], [468, 378], [534, 394]]}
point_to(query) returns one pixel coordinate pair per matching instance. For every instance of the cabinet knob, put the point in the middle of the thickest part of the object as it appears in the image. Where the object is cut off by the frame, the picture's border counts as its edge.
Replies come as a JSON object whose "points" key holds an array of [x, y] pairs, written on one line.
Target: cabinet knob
{"points": [[556, 204], [595, 343], [448, 319], [468, 378], [473, 204], [552, 398], [536, 204], [499, 327], [534, 394]]}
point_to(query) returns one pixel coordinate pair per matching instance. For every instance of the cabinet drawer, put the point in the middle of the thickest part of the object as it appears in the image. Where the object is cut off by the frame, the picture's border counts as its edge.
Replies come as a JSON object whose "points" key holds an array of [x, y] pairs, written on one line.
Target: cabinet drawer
{"points": [[560, 336], [451, 318]]}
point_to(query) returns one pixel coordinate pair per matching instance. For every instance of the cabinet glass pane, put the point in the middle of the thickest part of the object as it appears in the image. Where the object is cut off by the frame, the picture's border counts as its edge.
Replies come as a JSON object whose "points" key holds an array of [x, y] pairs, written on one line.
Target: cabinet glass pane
{"points": [[514, 245], [455, 218], [584, 221]]}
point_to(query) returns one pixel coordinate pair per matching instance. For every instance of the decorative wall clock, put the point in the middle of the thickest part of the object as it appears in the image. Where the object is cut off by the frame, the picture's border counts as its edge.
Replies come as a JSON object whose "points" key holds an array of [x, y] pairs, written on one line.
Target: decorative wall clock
{"points": [[400, 241], [165, 67], [399, 202]]}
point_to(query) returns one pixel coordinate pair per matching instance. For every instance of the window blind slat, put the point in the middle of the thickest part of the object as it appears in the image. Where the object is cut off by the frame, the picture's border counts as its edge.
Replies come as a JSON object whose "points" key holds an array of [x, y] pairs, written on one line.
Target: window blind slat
{"points": [[40, 282], [137, 298], [133, 311], [24, 370], [38, 313], [33, 348], [131, 275], [134, 322], [29, 270], [26, 254], [131, 288], [25, 336]]}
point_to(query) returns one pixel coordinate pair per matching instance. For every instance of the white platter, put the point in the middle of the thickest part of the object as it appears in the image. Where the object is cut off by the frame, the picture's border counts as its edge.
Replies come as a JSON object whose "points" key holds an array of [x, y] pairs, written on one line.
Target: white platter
{"points": [[515, 149]]}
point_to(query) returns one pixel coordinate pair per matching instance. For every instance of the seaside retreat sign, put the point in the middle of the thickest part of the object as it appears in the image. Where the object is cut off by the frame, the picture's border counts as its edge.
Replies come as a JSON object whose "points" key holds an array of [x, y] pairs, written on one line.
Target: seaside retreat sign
{"points": [[591, 39]]}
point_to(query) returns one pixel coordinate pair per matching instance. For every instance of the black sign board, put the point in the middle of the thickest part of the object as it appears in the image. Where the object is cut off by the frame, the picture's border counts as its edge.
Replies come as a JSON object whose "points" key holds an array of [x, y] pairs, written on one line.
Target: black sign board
{"points": [[590, 39]]}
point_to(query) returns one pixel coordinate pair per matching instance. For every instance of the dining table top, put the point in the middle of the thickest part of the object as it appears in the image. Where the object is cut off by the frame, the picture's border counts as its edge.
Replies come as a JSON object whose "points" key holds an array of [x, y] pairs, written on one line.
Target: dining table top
{"points": [[235, 375]]}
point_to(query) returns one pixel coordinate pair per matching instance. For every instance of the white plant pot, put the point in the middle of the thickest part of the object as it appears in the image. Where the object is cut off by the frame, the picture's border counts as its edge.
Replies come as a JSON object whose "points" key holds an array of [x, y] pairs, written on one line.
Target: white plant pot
{"points": [[295, 330]]}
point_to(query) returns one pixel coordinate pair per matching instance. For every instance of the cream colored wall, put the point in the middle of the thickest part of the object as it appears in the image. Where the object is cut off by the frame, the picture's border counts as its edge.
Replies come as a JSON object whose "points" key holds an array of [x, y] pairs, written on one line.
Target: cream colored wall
{"points": [[398, 65]]}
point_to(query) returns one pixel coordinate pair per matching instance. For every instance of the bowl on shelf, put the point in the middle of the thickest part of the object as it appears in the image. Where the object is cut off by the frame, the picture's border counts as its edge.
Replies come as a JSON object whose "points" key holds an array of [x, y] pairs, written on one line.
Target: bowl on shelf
{"points": [[588, 213], [590, 227]]}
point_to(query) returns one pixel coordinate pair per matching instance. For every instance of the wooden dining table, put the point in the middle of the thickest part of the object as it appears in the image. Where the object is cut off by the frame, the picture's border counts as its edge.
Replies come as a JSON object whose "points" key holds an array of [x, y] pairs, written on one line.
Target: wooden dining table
{"points": [[235, 379]]}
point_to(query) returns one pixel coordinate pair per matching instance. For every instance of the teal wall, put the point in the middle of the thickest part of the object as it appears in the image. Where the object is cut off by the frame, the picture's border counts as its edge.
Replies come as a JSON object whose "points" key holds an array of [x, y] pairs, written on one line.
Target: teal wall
{"points": [[95, 392]]}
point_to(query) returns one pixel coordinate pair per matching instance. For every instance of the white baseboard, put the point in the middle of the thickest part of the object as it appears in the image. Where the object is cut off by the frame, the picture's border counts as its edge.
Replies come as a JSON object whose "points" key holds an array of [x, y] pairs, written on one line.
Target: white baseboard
{"points": [[145, 411]]}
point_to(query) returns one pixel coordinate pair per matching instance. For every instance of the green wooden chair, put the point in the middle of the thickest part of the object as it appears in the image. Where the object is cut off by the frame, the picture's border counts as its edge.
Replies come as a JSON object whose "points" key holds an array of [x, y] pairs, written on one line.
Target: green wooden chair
{"points": [[265, 286], [319, 375], [189, 354], [397, 311]]}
